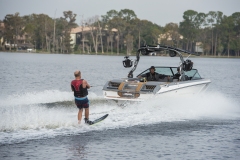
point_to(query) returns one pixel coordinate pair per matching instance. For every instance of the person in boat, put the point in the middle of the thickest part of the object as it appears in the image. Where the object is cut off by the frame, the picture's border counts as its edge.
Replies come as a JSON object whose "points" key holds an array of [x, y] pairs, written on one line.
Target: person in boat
{"points": [[153, 76], [177, 75], [80, 88]]}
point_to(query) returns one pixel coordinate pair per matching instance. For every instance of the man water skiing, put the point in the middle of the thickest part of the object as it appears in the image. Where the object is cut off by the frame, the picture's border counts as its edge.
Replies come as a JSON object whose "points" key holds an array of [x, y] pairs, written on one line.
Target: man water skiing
{"points": [[80, 88]]}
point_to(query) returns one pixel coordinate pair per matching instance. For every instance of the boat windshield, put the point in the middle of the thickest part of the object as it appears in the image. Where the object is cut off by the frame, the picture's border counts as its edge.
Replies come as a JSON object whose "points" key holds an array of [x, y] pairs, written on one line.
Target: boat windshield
{"points": [[171, 71], [193, 74], [168, 71]]}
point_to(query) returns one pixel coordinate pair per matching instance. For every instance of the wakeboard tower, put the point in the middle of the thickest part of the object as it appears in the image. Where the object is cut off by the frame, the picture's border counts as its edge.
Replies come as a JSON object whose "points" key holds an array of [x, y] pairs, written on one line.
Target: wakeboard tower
{"points": [[146, 50]]}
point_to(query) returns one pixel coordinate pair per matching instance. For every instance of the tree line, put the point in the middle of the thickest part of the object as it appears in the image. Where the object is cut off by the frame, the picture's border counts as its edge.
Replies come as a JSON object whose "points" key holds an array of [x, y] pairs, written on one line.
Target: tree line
{"points": [[48, 34], [216, 33]]}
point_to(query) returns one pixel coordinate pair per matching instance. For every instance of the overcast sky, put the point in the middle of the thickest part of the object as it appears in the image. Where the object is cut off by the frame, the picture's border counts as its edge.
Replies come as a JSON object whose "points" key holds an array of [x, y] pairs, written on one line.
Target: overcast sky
{"points": [[160, 12]]}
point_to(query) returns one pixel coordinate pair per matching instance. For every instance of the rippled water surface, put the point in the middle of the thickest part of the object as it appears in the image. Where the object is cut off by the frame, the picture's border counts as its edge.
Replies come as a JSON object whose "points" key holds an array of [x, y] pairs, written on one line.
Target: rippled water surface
{"points": [[38, 118]]}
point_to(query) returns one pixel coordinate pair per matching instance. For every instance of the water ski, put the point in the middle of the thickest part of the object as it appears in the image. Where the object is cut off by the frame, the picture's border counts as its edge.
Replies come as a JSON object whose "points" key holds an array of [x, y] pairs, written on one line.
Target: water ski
{"points": [[97, 120]]}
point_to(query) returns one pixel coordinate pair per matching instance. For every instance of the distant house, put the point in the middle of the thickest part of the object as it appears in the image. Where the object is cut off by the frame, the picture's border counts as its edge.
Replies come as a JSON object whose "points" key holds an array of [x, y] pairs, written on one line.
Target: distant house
{"points": [[22, 42], [83, 34], [198, 47], [76, 35]]}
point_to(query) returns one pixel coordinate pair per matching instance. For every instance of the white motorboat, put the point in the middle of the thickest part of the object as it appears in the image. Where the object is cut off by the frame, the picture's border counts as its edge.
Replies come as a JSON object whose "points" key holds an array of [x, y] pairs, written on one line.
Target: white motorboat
{"points": [[187, 81]]}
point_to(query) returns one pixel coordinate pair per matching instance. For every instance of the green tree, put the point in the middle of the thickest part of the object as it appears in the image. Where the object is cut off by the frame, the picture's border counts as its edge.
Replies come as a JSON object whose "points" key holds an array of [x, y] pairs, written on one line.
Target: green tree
{"points": [[228, 33], [13, 26], [43, 31], [214, 20], [2, 31], [219, 17], [119, 24], [69, 23], [107, 26], [138, 27], [201, 31], [188, 27], [171, 32], [29, 29], [236, 22], [127, 15], [92, 24], [150, 33], [127, 37], [123, 22]]}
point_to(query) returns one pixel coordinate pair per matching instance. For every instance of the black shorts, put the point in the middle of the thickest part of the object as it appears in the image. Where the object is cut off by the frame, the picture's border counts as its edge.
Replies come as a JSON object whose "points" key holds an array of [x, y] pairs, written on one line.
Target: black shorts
{"points": [[82, 102]]}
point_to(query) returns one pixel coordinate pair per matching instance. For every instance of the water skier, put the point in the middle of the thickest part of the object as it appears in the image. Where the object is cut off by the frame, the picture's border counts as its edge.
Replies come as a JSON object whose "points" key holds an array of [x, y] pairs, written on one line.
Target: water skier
{"points": [[80, 88]]}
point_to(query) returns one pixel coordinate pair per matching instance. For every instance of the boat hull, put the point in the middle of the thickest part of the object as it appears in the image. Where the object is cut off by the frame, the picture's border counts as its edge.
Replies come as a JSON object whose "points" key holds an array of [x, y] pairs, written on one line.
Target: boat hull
{"points": [[163, 89]]}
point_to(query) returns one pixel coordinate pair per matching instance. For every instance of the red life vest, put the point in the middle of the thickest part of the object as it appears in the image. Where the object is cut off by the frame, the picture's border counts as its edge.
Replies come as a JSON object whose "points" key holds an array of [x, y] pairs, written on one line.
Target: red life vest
{"points": [[78, 89]]}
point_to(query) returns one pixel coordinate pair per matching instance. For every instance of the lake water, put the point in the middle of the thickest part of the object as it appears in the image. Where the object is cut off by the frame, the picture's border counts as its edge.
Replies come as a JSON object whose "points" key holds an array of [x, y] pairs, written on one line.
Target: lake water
{"points": [[38, 118]]}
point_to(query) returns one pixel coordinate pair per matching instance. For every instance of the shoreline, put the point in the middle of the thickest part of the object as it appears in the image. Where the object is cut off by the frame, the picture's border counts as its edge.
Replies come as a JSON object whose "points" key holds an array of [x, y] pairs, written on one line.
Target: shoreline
{"points": [[120, 54]]}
